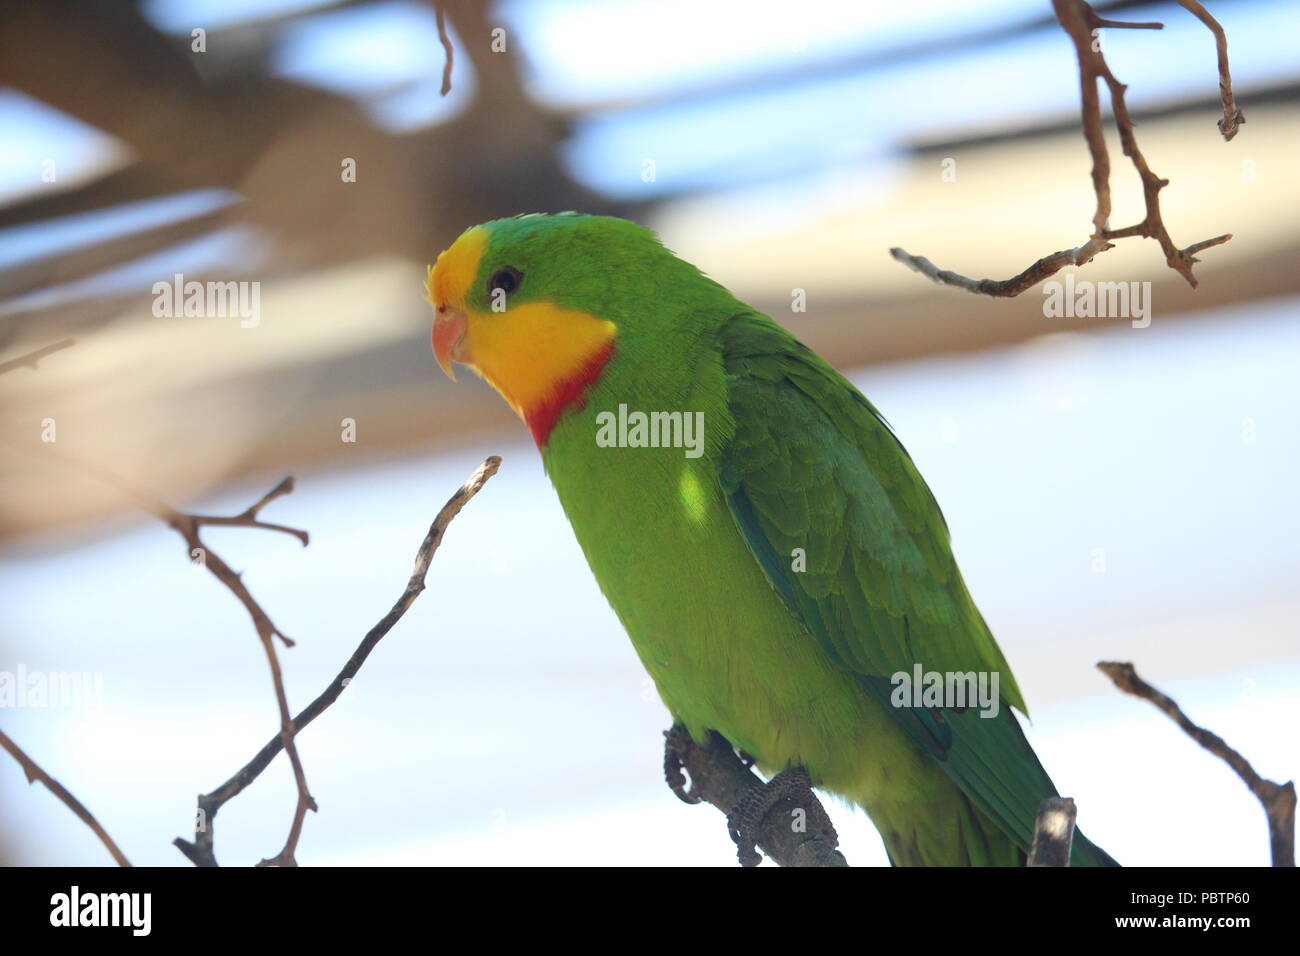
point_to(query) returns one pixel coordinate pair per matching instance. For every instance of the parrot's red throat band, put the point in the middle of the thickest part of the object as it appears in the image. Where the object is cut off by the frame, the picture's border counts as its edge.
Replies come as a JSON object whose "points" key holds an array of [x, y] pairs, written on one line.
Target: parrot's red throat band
{"points": [[568, 393]]}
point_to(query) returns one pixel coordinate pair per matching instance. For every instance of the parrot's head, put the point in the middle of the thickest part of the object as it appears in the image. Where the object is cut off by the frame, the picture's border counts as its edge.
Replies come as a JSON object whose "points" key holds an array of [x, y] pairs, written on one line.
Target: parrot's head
{"points": [[538, 305]]}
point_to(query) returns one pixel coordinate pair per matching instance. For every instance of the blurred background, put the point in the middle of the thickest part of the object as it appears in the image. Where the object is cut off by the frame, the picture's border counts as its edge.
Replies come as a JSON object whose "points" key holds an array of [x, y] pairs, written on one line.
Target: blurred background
{"points": [[1113, 492]]}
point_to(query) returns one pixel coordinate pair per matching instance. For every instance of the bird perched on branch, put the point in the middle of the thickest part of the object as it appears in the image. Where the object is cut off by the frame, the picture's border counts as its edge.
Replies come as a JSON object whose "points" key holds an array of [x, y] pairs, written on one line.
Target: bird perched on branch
{"points": [[777, 560]]}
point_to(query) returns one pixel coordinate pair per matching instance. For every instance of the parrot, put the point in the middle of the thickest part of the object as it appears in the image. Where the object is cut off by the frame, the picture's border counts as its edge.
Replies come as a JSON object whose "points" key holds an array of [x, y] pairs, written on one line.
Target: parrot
{"points": [[757, 526]]}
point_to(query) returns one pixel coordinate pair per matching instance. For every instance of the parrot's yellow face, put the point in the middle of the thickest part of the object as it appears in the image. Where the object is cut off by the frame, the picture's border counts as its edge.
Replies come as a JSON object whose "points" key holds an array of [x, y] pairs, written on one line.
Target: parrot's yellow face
{"points": [[446, 284], [510, 331]]}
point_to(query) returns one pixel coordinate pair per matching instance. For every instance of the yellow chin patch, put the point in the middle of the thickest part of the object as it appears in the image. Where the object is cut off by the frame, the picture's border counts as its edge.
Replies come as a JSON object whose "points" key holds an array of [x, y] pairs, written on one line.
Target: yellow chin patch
{"points": [[450, 278], [529, 352]]}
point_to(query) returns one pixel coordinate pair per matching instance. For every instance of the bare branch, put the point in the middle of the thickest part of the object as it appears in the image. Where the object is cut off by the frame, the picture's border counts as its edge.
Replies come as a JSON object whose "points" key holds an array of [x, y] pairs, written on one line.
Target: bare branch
{"points": [[1125, 25], [34, 773], [248, 517], [1036, 273], [187, 526], [719, 777], [200, 851], [1233, 118], [1053, 833], [1081, 22], [1196, 247], [1278, 800]]}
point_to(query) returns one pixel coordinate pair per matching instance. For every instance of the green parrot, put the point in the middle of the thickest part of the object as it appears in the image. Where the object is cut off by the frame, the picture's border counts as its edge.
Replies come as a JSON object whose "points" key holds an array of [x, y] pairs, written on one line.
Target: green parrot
{"points": [[778, 562]]}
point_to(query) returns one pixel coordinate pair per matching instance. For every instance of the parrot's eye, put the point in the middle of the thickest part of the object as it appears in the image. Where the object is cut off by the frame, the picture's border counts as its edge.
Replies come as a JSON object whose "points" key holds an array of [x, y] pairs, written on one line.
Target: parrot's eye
{"points": [[505, 279]]}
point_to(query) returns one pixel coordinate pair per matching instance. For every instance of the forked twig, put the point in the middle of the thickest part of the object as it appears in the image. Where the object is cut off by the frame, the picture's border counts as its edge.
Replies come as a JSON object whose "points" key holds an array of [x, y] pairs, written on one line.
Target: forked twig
{"points": [[1082, 23], [188, 526], [200, 851]]}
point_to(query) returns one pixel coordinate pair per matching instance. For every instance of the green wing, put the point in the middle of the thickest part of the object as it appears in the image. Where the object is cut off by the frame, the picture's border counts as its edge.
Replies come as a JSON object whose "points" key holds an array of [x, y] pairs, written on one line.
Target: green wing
{"points": [[813, 466]]}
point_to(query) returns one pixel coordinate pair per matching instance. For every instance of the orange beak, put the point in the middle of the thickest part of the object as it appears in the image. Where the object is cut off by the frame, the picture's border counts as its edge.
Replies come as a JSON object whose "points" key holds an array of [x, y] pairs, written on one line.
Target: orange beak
{"points": [[449, 326]]}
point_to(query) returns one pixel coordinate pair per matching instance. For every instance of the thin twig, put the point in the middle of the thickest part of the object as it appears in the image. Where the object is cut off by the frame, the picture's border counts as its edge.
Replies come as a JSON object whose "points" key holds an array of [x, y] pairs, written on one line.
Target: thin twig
{"points": [[1126, 25], [441, 14], [1278, 800], [34, 773], [248, 517], [1080, 22], [200, 851], [1036, 273], [718, 776], [187, 526], [1233, 118], [1053, 833], [31, 358]]}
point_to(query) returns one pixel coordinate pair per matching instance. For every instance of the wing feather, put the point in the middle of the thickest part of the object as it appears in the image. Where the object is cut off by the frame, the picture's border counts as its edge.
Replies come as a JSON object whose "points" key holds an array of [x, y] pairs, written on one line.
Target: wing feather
{"points": [[814, 470]]}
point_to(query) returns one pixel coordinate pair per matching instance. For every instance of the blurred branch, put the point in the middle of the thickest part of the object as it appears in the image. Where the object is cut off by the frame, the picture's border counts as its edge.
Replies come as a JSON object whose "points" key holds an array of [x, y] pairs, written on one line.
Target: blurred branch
{"points": [[34, 773], [262, 137], [200, 851], [67, 265], [1081, 22], [1053, 833], [31, 358], [134, 182], [440, 12], [1278, 800], [719, 777]]}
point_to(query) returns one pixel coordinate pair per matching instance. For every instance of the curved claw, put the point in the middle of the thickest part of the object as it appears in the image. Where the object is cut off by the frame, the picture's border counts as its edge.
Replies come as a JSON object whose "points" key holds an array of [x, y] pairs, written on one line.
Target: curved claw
{"points": [[676, 741]]}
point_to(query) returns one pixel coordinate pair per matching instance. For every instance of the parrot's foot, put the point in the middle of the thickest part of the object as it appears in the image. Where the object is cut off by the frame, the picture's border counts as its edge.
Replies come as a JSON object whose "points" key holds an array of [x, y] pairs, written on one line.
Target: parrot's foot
{"points": [[745, 818], [677, 741]]}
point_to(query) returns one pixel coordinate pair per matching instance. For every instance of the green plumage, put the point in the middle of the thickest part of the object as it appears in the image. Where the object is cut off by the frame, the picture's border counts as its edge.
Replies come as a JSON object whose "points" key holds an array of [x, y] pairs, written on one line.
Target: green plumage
{"points": [[773, 585]]}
